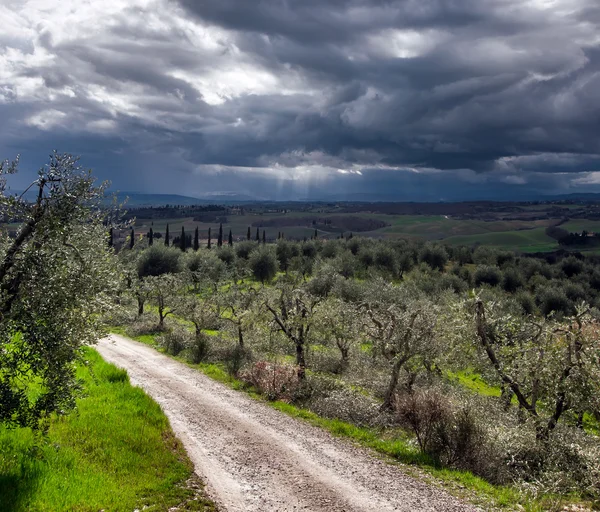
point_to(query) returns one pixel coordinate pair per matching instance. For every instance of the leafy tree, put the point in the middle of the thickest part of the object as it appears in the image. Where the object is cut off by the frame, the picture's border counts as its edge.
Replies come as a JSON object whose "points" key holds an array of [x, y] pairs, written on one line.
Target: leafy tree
{"points": [[550, 367], [248, 235], [264, 239], [294, 315], [164, 290], [434, 255], [158, 260], [151, 237], [401, 329], [236, 308], [257, 235], [339, 321], [220, 237], [209, 239], [110, 237], [167, 237], [230, 239], [56, 275], [486, 274], [263, 264], [132, 239]]}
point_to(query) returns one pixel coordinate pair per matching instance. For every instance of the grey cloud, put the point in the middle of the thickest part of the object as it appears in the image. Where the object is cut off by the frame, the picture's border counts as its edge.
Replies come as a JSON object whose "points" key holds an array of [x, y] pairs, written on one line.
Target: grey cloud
{"points": [[500, 88]]}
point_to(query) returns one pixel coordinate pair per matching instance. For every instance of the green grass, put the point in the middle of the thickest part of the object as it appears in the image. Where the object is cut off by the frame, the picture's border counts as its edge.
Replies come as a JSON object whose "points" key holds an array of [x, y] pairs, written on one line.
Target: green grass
{"points": [[529, 240], [115, 452], [474, 382]]}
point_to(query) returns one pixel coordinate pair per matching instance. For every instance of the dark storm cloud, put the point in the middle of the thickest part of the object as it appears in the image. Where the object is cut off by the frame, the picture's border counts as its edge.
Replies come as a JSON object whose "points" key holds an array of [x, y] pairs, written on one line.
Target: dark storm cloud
{"points": [[278, 97]]}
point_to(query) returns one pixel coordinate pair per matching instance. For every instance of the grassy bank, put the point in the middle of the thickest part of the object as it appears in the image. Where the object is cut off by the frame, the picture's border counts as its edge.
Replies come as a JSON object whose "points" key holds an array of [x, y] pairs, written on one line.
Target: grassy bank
{"points": [[115, 452]]}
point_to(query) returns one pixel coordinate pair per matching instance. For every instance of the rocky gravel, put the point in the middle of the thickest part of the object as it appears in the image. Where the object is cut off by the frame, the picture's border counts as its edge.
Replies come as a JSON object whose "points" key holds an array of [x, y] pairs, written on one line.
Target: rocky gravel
{"points": [[254, 458]]}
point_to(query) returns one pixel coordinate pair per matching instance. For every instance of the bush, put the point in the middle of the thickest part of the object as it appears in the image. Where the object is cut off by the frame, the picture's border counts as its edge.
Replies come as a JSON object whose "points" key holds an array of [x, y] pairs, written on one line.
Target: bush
{"points": [[277, 381], [366, 257], [451, 436], [452, 282], [349, 406], [235, 358], [174, 342], [323, 281], [284, 254], [422, 412], [199, 348]]}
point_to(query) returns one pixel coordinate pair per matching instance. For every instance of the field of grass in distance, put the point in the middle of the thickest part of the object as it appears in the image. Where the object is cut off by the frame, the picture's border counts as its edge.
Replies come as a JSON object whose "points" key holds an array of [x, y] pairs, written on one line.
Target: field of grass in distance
{"points": [[528, 240], [115, 452]]}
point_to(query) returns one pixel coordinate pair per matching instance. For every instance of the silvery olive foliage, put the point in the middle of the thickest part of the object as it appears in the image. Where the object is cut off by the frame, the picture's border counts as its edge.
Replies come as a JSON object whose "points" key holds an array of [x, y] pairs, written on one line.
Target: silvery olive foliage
{"points": [[551, 367], [57, 273]]}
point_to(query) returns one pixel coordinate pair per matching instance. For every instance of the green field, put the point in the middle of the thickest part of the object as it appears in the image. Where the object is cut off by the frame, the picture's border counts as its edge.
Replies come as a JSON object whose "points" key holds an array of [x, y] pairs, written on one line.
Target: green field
{"points": [[518, 235], [579, 225], [529, 240]]}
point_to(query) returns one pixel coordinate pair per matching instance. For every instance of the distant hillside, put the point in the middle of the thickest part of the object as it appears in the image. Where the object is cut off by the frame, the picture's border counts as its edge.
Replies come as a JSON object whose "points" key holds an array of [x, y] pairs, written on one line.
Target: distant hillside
{"points": [[136, 199]]}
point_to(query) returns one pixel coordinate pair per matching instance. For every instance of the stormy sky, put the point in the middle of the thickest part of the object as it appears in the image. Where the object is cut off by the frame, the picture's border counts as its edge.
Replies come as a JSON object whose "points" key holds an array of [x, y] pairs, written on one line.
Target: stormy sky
{"points": [[291, 99]]}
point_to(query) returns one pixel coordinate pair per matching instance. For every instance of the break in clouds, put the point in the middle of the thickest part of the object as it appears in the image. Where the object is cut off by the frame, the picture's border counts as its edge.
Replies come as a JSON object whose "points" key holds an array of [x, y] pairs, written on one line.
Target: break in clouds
{"points": [[280, 99]]}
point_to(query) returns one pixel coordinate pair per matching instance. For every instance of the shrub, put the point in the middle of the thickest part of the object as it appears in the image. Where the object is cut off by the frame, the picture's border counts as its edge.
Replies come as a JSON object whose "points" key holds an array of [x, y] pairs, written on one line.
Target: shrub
{"points": [[452, 282], [199, 348], [323, 281], [385, 259], [235, 358], [330, 250], [452, 436], [349, 406], [175, 341], [422, 412], [277, 381]]}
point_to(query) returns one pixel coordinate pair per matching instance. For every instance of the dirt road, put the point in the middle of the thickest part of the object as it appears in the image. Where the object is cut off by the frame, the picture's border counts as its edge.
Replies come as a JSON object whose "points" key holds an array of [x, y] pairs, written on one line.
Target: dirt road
{"points": [[254, 458]]}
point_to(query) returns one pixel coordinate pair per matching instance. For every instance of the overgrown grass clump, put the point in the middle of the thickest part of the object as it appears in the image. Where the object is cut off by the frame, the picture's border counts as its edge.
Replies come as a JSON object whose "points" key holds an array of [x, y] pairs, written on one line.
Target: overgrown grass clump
{"points": [[115, 452]]}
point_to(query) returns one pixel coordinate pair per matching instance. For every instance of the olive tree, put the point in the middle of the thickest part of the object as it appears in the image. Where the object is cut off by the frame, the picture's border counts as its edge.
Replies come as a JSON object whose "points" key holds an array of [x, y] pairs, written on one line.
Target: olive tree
{"points": [[401, 327], [550, 366], [56, 275], [339, 321], [293, 314]]}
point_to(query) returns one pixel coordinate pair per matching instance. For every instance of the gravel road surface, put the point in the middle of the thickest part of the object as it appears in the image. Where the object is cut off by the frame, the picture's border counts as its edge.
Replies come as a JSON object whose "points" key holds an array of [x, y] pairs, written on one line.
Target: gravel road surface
{"points": [[254, 458]]}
